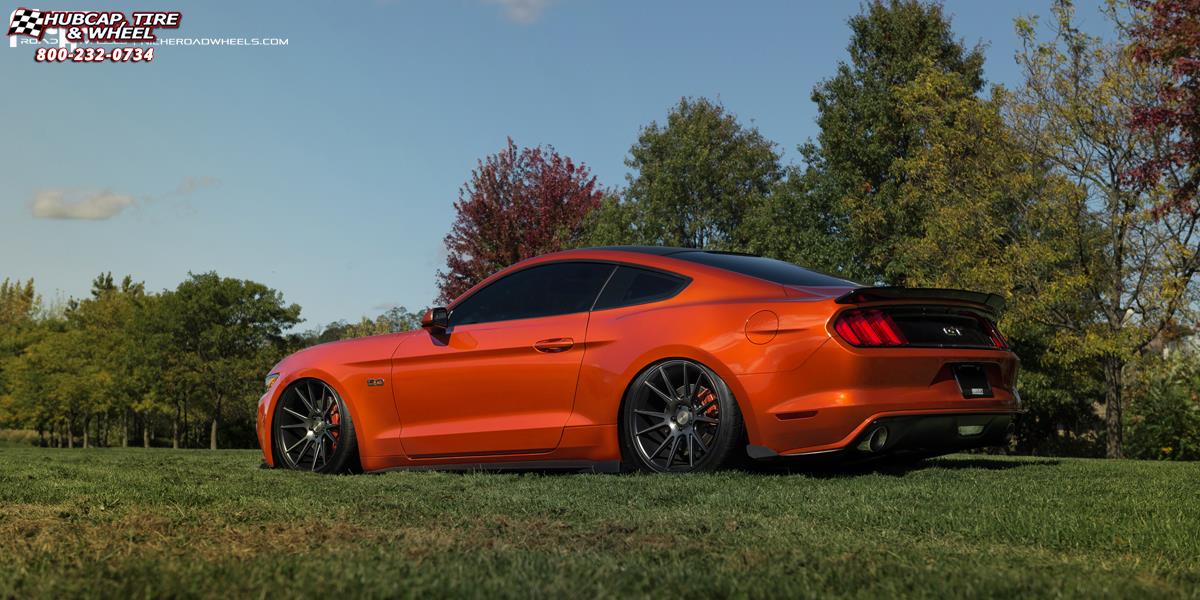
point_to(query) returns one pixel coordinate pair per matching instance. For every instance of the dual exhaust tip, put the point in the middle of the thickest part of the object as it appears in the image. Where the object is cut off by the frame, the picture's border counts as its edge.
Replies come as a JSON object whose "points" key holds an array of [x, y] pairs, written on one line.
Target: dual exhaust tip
{"points": [[875, 440]]}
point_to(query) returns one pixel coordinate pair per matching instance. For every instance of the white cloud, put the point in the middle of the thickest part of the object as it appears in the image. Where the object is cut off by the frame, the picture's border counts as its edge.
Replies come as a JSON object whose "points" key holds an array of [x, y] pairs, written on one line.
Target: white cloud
{"points": [[74, 204], [523, 11], [66, 203]]}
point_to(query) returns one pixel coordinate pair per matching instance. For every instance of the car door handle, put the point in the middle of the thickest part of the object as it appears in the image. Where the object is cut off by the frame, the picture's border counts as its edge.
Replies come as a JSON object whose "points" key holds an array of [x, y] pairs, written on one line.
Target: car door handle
{"points": [[553, 345]]}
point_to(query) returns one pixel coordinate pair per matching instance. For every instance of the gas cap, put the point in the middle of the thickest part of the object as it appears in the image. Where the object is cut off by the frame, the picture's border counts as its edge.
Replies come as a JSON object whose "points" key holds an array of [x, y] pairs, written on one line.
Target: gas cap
{"points": [[762, 326]]}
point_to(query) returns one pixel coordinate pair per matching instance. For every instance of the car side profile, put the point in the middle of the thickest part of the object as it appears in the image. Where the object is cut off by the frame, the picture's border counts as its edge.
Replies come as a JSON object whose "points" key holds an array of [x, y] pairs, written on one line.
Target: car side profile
{"points": [[650, 358]]}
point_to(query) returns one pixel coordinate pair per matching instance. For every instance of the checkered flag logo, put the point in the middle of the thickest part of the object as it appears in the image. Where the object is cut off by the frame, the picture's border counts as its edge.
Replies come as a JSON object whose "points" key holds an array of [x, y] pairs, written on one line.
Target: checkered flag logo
{"points": [[28, 22]]}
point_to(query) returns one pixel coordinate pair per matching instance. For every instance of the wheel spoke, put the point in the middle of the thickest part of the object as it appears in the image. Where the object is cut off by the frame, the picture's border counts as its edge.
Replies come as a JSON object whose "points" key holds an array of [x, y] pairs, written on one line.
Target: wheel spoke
{"points": [[297, 415], [318, 453], [700, 442], [703, 419], [691, 455], [704, 407], [294, 426], [663, 372], [300, 456], [304, 399], [685, 383], [660, 447], [330, 404], [293, 447], [652, 428], [671, 452], [332, 440], [650, 413], [665, 397]]}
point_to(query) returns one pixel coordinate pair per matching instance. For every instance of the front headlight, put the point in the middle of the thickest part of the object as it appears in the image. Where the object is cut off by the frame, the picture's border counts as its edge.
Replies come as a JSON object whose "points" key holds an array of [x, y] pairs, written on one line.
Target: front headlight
{"points": [[270, 381]]}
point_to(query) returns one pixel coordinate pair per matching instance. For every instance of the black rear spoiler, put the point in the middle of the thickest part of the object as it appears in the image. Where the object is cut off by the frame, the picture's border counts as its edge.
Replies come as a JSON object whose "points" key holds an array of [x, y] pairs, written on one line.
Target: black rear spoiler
{"points": [[993, 303]]}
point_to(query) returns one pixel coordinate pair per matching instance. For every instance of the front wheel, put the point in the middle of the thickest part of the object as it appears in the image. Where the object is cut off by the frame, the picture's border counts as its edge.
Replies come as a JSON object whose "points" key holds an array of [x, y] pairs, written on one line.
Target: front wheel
{"points": [[679, 416], [313, 430]]}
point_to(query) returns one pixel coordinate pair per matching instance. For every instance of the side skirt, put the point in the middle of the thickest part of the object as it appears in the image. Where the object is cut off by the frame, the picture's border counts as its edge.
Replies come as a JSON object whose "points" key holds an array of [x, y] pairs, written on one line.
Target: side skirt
{"points": [[579, 466]]}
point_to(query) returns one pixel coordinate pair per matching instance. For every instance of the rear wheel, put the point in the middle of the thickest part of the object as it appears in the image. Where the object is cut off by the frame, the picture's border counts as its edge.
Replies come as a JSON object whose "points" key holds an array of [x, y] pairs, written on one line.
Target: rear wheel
{"points": [[313, 430], [679, 416]]}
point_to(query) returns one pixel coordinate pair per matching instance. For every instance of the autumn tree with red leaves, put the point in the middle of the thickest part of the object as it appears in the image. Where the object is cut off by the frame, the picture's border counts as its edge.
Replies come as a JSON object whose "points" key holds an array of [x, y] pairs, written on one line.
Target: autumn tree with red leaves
{"points": [[519, 203], [1166, 35]]}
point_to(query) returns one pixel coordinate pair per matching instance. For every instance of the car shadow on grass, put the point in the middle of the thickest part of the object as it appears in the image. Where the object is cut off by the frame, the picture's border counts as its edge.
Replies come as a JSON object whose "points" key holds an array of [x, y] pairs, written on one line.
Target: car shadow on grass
{"points": [[830, 469]]}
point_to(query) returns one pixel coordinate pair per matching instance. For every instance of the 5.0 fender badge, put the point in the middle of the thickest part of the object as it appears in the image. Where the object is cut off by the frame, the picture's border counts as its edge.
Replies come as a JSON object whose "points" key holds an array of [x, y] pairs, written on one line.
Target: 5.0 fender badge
{"points": [[374, 381]]}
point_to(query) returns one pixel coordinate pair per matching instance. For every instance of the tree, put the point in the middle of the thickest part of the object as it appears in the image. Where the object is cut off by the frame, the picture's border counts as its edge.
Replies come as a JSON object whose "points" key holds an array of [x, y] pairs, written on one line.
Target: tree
{"points": [[1133, 267], [696, 178], [1165, 36], [996, 220], [19, 304], [865, 128], [395, 320], [224, 330], [519, 203]]}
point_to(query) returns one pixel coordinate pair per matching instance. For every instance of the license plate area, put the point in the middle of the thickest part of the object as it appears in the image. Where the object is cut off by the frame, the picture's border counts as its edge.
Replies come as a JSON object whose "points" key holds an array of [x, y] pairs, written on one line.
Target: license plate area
{"points": [[972, 380]]}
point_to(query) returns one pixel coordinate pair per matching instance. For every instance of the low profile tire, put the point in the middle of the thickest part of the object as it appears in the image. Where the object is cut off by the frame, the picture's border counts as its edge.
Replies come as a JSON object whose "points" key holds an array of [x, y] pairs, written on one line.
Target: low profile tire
{"points": [[312, 429], [679, 416]]}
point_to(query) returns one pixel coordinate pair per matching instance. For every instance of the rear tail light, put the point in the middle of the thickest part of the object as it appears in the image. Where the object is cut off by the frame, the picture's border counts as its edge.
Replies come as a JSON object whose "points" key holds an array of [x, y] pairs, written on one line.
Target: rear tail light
{"points": [[869, 328], [876, 328]]}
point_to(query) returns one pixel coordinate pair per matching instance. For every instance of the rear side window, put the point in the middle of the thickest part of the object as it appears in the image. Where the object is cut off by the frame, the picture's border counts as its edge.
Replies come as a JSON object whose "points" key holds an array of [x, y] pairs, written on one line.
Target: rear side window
{"points": [[631, 285], [542, 291], [777, 271]]}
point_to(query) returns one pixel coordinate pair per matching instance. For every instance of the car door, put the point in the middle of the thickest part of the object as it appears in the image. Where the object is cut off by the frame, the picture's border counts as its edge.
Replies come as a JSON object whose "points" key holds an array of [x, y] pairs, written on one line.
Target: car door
{"points": [[501, 378]]}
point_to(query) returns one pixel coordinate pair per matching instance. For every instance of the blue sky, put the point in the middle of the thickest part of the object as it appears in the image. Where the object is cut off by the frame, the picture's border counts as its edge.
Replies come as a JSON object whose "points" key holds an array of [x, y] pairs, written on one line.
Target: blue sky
{"points": [[327, 168]]}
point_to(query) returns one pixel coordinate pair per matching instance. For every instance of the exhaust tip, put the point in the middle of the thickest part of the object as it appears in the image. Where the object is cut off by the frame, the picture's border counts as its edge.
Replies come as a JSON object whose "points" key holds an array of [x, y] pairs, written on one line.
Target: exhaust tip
{"points": [[875, 441], [878, 439]]}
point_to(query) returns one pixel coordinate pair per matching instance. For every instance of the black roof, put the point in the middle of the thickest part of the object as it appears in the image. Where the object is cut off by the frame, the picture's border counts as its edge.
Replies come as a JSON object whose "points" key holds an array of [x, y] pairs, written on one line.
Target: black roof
{"points": [[662, 250], [655, 250], [753, 265]]}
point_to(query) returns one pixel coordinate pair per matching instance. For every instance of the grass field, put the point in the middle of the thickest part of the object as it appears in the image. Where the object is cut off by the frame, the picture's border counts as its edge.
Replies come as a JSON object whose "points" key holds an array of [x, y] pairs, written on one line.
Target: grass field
{"points": [[136, 523]]}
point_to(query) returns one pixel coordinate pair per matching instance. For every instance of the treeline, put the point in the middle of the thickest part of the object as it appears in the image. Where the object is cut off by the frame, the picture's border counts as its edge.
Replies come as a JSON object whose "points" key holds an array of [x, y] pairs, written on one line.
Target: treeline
{"points": [[1073, 195], [183, 367]]}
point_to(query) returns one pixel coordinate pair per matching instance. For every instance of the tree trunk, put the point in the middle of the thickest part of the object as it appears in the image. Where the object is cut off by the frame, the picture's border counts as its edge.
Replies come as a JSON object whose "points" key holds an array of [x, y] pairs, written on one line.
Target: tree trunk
{"points": [[175, 430], [70, 435], [125, 429], [1113, 383], [146, 431], [86, 438], [212, 436]]}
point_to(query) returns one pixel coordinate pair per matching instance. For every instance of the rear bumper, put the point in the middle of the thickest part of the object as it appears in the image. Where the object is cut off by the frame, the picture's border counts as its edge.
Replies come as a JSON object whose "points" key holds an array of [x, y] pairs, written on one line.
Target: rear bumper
{"points": [[936, 433], [836, 396]]}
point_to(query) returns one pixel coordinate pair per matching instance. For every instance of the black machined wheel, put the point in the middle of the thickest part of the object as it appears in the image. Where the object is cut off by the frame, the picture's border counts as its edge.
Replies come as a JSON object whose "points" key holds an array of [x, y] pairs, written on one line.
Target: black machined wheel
{"points": [[679, 416], [313, 430]]}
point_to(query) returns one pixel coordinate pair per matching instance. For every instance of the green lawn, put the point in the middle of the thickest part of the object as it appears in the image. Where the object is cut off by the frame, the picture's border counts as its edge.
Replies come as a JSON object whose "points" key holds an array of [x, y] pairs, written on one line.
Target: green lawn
{"points": [[198, 523]]}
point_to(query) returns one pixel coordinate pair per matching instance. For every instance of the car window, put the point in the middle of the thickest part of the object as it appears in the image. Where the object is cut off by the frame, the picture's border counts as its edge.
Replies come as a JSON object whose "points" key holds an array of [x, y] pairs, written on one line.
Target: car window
{"points": [[777, 271], [631, 285], [541, 291]]}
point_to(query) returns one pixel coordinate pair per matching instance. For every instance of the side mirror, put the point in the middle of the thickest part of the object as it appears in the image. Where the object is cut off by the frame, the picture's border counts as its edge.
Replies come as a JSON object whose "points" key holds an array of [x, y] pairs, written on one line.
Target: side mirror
{"points": [[436, 318]]}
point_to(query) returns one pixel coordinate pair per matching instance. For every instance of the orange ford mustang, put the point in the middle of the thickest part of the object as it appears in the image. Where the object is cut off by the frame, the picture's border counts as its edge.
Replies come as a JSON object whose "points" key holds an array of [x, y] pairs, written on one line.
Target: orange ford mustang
{"points": [[659, 359]]}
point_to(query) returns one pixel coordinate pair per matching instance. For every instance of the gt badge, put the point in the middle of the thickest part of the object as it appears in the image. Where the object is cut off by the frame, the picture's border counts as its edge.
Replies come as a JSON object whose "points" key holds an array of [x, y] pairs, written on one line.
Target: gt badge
{"points": [[374, 381]]}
